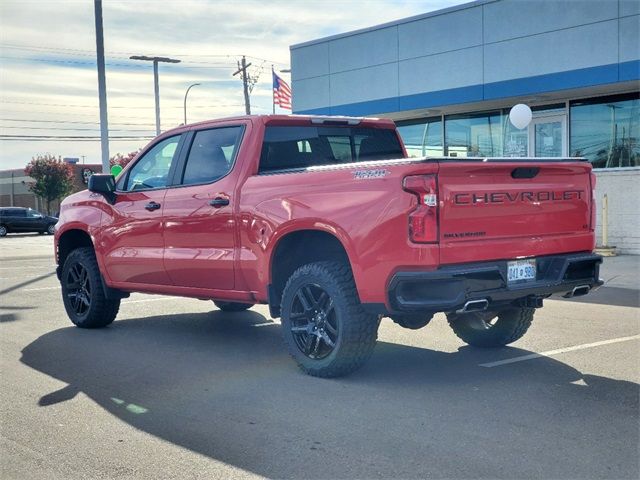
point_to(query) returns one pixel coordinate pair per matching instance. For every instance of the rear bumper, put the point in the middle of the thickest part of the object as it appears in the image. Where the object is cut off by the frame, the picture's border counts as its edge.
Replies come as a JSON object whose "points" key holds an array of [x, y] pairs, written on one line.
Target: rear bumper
{"points": [[450, 287]]}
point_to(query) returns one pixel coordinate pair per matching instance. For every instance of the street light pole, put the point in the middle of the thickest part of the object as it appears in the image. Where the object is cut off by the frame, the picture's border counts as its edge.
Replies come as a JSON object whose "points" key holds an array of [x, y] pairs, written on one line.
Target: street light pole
{"points": [[156, 85], [185, 100]]}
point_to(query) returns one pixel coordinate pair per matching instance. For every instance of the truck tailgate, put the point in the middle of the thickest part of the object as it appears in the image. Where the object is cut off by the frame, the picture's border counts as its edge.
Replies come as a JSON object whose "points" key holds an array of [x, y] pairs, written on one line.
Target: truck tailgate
{"points": [[503, 209]]}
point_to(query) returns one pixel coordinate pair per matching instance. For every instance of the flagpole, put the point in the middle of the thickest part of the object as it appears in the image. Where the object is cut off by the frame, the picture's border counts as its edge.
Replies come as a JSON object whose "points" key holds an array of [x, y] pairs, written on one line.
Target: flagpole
{"points": [[273, 95]]}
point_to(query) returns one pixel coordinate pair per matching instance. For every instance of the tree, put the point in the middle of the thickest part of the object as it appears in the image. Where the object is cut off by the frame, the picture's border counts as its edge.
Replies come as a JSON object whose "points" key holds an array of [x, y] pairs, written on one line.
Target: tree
{"points": [[53, 178], [122, 160]]}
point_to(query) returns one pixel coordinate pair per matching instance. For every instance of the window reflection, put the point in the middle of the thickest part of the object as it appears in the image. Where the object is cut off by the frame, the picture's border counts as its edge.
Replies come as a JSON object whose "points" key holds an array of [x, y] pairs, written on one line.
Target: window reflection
{"points": [[423, 138], [604, 130], [607, 131], [474, 135]]}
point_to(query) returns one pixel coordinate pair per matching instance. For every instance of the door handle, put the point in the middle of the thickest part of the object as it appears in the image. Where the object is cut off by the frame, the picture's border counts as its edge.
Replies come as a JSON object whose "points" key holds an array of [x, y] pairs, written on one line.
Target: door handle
{"points": [[219, 202], [152, 206]]}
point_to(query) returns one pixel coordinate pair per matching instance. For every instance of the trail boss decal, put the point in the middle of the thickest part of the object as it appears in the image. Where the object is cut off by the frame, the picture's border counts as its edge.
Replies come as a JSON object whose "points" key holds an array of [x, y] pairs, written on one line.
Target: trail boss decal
{"points": [[367, 174]]}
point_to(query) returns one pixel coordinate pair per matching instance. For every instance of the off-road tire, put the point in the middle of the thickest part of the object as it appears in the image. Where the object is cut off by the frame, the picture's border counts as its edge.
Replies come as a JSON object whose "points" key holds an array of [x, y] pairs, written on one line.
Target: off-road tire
{"points": [[511, 324], [412, 321], [233, 306], [101, 311], [357, 330], [3, 230]]}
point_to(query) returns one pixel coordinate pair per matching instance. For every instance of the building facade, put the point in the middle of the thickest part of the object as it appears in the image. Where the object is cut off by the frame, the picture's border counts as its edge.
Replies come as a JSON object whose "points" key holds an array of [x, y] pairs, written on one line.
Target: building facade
{"points": [[449, 78]]}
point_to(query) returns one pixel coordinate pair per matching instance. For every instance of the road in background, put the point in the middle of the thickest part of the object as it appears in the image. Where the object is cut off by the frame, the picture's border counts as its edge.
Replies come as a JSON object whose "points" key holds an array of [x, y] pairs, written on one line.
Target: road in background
{"points": [[177, 389]]}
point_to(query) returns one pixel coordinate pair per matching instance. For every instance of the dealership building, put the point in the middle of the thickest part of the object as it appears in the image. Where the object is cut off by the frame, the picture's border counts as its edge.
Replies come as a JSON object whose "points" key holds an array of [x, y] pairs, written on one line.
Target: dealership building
{"points": [[449, 78]]}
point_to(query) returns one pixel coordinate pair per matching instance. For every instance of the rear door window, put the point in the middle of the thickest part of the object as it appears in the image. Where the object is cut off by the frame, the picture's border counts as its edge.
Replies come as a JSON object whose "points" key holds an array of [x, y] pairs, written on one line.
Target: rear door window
{"points": [[286, 148], [212, 155]]}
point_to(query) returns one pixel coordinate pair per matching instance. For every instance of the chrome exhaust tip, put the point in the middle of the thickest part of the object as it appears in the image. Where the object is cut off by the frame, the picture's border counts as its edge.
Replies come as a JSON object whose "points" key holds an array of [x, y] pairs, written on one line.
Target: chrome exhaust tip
{"points": [[578, 291], [474, 306]]}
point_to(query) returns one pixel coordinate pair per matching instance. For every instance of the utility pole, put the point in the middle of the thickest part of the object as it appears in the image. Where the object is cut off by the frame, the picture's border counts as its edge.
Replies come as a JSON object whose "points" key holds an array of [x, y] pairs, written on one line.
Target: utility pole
{"points": [[156, 85], [242, 68], [102, 87]]}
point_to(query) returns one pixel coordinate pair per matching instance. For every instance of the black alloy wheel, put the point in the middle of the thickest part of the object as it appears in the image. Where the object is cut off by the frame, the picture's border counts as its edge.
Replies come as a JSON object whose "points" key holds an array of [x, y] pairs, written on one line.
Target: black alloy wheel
{"points": [[83, 291], [325, 328], [313, 321], [78, 289]]}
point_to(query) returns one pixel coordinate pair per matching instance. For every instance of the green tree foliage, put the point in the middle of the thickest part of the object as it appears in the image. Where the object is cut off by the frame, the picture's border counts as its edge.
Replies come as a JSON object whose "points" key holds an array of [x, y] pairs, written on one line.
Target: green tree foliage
{"points": [[53, 178]]}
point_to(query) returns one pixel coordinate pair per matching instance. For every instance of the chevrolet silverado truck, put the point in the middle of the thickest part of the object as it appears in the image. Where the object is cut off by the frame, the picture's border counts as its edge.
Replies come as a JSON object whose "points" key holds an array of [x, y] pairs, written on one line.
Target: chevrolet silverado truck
{"points": [[328, 222]]}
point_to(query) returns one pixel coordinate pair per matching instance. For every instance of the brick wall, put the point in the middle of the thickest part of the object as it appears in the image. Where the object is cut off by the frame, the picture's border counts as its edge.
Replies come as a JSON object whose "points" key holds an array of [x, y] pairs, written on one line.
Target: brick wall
{"points": [[622, 188]]}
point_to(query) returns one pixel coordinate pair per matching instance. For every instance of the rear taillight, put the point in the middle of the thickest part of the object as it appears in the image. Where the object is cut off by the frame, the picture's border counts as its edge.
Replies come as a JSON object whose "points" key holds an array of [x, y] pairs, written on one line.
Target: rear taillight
{"points": [[423, 220], [593, 201]]}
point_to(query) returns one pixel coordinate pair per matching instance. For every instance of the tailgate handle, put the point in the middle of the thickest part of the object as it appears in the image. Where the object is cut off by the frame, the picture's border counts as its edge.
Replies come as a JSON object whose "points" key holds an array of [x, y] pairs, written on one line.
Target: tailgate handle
{"points": [[525, 172]]}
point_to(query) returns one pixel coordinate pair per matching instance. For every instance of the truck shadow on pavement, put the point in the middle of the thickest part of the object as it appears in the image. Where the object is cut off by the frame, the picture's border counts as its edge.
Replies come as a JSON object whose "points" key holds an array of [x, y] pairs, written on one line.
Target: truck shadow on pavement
{"points": [[218, 385]]}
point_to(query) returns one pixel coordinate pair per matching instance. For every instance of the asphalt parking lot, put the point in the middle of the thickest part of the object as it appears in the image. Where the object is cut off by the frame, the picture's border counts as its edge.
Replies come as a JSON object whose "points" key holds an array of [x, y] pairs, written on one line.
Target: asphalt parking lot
{"points": [[176, 389]]}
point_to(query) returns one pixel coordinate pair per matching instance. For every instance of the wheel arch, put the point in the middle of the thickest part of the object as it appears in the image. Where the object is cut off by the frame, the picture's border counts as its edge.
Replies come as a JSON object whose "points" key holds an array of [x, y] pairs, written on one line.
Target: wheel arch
{"points": [[74, 238], [69, 240], [296, 248]]}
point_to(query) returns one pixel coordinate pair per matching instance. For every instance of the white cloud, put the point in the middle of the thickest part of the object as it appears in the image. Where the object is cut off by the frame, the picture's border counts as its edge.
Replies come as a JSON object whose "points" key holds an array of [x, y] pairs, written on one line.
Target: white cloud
{"points": [[53, 78]]}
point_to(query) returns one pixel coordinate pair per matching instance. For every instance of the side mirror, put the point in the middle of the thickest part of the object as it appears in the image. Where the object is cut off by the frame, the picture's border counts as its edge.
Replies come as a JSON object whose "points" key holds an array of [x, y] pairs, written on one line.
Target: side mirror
{"points": [[104, 184]]}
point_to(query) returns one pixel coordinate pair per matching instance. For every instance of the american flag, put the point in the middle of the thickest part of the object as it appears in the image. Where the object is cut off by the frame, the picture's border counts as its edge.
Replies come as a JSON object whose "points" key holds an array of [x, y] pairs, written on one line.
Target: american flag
{"points": [[281, 92]]}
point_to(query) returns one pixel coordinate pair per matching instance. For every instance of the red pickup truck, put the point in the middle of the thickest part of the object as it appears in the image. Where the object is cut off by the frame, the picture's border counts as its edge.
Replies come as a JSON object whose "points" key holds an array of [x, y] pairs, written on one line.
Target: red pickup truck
{"points": [[327, 221]]}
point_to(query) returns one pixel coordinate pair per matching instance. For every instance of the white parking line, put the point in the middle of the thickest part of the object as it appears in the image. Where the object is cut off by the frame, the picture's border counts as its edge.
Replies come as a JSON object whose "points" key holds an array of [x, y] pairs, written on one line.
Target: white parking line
{"points": [[558, 351], [147, 300], [44, 267], [265, 324], [57, 287]]}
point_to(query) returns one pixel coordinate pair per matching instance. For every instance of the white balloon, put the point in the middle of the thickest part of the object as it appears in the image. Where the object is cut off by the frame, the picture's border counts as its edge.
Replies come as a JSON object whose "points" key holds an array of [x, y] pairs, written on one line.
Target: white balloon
{"points": [[520, 116]]}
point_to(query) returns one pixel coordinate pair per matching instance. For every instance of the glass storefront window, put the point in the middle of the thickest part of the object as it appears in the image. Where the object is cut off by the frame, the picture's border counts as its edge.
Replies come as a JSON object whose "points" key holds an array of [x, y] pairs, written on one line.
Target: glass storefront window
{"points": [[423, 138], [516, 141], [548, 137], [474, 135], [607, 131]]}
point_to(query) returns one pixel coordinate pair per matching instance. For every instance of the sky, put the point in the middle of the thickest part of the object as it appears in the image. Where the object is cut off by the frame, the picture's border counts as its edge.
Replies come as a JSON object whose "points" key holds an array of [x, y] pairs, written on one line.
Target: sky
{"points": [[48, 75]]}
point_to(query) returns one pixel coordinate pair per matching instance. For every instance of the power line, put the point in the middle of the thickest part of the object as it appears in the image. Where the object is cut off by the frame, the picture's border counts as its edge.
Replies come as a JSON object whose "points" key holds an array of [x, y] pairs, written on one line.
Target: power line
{"points": [[83, 52], [71, 137], [68, 121], [75, 140], [123, 65], [124, 55], [75, 129], [75, 105], [90, 53], [92, 115]]}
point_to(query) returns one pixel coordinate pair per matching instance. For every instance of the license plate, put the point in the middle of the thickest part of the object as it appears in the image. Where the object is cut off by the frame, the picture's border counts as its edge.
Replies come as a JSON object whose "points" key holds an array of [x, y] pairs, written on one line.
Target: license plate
{"points": [[521, 270]]}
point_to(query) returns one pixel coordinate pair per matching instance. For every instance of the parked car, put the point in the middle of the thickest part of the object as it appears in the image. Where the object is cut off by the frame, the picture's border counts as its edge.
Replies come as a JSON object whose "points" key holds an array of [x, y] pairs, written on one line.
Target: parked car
{"points": [[327, 221], [20, 219]]}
